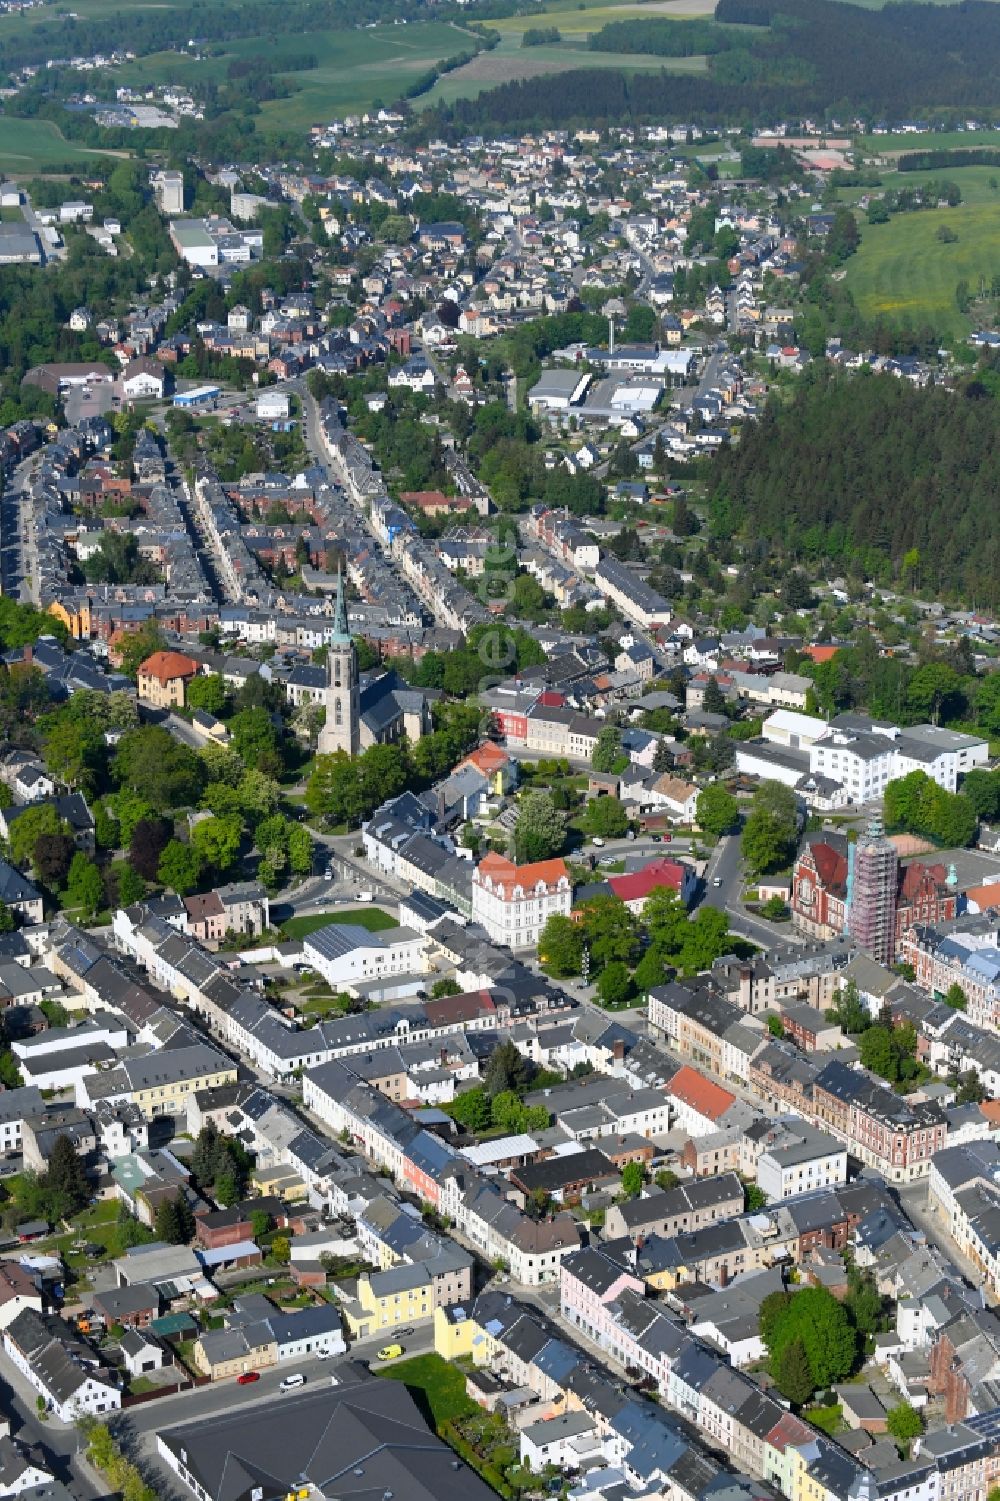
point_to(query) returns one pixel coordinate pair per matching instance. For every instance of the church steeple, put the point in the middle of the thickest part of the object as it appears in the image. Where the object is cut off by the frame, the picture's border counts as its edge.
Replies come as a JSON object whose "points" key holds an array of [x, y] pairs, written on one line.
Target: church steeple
{"points": [[341, 631], [342, 696]]}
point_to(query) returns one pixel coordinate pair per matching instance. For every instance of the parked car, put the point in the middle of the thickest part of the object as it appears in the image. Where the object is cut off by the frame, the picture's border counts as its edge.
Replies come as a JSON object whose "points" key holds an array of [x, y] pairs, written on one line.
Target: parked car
{"points": [[246, 1377], [291, 1382]]}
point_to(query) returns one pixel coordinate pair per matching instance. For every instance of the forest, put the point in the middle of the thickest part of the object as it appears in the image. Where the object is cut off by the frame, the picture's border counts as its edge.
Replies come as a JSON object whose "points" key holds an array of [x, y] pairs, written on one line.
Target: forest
{"points": [[663, 38], [805, 57], [870, 470]]}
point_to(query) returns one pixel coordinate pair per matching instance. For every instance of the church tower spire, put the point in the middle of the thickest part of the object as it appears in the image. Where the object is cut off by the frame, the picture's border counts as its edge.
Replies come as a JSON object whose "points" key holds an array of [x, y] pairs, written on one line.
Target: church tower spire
{"points": [[342, 730]]}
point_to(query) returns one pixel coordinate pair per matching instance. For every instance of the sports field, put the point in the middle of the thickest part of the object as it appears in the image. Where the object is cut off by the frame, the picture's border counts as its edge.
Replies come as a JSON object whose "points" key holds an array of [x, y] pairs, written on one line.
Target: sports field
{"points": [[903, 271], [28, 146]]}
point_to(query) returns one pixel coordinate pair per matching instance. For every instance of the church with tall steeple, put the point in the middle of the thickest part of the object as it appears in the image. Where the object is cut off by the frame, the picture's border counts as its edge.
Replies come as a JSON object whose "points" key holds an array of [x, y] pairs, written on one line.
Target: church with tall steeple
{"points": [[342, 730]]}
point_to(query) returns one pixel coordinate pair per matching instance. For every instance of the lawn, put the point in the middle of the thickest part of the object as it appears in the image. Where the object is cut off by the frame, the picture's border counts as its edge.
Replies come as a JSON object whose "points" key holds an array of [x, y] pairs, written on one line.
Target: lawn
{"points": [[903, 271], [830, 1419], [29, 146], [372, 918], [441, 1385], [355, 68]]}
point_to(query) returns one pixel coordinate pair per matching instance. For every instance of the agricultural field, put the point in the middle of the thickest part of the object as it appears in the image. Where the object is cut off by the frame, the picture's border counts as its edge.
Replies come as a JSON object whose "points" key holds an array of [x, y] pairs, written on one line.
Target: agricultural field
{"points": [[354, 68], [509, 61], [579, 20], [903, 271], [30, 146], [944, 140]]}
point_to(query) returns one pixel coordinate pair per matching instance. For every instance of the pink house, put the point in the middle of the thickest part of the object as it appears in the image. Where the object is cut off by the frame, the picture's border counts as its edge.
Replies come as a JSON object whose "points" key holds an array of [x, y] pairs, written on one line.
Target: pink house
{"points": [[590, 1284]]}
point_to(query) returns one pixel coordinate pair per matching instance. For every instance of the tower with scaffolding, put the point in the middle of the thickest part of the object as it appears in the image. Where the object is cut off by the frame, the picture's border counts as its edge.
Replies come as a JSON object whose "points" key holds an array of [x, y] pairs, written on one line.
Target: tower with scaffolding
{"points": [[872, 883]]}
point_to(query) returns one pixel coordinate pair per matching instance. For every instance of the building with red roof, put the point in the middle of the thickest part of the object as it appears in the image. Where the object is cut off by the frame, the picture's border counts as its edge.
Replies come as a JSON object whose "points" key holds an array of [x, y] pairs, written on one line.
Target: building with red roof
{"points": [[493, 763], [700, 1103], [822, 887], [514, 902], [163, 678], [634, 887]]}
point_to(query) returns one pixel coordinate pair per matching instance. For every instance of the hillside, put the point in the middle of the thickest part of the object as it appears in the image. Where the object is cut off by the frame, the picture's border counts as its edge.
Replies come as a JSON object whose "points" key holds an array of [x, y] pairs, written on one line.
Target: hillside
{"points": [[870, 469]]}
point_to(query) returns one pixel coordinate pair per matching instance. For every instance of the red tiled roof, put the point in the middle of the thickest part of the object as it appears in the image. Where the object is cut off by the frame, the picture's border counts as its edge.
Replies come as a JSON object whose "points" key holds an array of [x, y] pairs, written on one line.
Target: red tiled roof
{"points": [[692, 1088], [167, 665], [820, 653], [640, 883], [505, 873], [913, 877], [459, 1008], [831, 867]]}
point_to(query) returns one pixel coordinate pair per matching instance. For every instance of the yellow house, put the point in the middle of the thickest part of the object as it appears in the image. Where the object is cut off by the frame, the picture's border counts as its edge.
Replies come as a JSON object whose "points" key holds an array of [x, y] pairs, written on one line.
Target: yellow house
{"points": [[389, 1300], [280, 1182], [802, 1485], [162, 1082], [455, 1338], [228, 1352], [74, 614]]}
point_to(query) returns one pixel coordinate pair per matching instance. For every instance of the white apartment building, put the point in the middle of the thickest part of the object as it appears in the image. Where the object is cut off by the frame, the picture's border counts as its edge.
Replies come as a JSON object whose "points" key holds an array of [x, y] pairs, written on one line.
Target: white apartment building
{"points": [[514, 902], [865, 755], [816, 1160], [345, 953]]}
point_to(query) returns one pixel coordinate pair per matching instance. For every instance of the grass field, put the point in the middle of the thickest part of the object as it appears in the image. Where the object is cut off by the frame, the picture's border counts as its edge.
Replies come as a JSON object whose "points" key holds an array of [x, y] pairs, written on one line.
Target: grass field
{"points": [[944, 140], [509, 61], [579, 20], [28, 146], [372, 918], [354, 68], [902, 271]]}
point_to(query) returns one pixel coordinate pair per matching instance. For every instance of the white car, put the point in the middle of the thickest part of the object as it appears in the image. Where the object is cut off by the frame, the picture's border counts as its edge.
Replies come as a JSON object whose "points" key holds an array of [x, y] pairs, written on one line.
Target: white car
{"points": [[291, 1382]]}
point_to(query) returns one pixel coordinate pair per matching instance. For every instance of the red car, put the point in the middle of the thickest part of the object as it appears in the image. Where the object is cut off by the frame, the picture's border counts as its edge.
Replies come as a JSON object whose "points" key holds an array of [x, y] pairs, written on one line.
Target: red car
{"points": [[247, 1377]]}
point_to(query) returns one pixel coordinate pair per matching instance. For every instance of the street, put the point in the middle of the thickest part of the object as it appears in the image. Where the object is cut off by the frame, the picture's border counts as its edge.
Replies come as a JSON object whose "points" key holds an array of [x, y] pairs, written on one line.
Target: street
{"points": [[61, 1444], [136, 1428], [724, 866]]}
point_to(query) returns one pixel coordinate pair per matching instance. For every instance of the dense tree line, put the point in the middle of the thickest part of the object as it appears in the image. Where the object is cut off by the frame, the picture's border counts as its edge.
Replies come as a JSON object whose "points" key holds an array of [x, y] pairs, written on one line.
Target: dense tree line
{"points": [[663, 38], [806, 57], [933, 161], [873, 470]]}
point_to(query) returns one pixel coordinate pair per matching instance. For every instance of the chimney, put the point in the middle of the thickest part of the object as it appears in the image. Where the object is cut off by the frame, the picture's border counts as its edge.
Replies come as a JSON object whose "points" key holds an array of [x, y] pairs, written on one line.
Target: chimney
{"points": [[28, 656], [618, 1049]]}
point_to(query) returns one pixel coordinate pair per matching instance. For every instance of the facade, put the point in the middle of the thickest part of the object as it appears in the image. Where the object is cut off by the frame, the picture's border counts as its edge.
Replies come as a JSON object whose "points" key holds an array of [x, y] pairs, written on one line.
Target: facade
{"points": [[514, 902], [863, 890], [163, 679], [816, 1160]]}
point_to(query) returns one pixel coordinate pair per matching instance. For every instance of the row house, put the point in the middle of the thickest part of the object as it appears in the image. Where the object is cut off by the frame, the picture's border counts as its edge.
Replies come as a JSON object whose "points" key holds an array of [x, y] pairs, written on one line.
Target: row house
{"points": [[896, 1137]]}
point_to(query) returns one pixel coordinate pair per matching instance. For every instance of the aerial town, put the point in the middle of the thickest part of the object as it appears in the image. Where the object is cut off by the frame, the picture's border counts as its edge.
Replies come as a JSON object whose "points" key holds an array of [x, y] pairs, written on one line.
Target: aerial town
{"points": [[500, 772]]}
